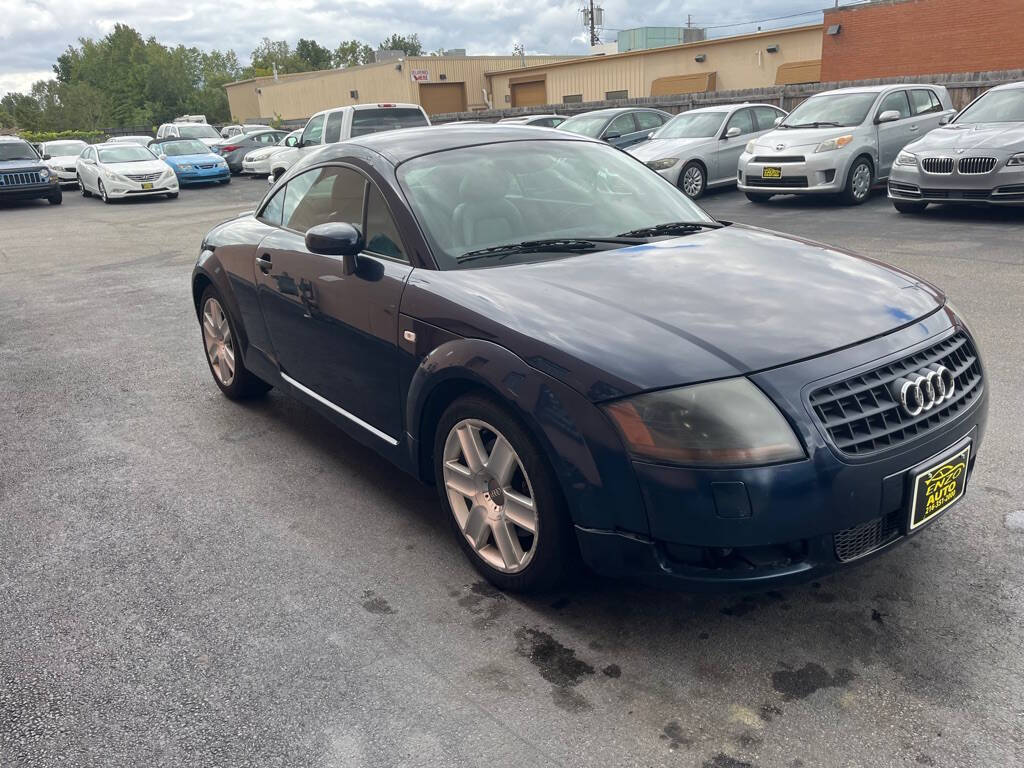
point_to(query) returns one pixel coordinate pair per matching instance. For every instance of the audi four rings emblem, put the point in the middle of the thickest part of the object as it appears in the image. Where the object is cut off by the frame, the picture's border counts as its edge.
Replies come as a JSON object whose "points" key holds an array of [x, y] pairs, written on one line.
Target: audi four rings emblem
{"points": [[925, 389]]}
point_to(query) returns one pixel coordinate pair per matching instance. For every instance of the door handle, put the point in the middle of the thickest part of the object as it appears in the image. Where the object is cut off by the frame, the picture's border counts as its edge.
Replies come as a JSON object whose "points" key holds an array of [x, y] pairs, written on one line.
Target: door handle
{"points": [[913, 128], [265, 263]]}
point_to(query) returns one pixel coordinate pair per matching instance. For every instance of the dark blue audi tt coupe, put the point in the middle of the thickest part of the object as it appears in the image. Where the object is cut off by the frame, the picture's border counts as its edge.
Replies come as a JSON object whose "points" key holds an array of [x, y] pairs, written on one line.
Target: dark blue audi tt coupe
{"points": [[588, 364]]}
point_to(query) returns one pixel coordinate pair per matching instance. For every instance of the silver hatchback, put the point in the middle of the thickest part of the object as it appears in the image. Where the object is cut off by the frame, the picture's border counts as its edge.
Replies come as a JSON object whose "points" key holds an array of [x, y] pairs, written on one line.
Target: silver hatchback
{"points": [[841, 142], [700, 148], [977, 158]]}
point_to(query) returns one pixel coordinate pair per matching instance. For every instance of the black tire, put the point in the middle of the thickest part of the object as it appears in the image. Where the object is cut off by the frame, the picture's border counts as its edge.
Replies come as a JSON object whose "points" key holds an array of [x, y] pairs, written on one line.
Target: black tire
{"points": [[226, 181], [81, 186], [694, 166], [758, 197], [172, 195], [909, 206], [103, 192], [245, 384], [556, 555], [56, 198], [851, 195]]}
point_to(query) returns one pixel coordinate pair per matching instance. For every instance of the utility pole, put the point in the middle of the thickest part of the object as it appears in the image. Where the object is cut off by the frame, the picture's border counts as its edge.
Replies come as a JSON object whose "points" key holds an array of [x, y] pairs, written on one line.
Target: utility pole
{"points": [[594, 39]]}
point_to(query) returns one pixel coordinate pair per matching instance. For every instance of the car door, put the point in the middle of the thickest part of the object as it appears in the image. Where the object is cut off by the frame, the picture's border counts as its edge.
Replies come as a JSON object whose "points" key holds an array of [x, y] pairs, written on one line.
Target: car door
{"points": [[926, 110], [647, 123], [335, 334], [87, 168], [895, 135], [731, 147], [620, 131]]}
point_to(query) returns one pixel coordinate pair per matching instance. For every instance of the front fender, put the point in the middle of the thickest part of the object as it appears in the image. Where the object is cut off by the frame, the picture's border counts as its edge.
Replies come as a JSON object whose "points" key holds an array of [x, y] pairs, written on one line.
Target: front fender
{"points": [[591, 465]]}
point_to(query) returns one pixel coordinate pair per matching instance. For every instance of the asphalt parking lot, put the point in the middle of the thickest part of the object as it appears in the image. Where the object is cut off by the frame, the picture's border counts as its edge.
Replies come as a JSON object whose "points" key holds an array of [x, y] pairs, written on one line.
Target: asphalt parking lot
{"points": [[189, 581]]}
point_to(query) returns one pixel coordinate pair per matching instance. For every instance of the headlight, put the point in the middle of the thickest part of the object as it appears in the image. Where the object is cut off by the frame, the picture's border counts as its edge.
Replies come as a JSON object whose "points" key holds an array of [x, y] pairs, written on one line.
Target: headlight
{"points": [[749, 149], [1017, 159], [833, 144], [221, 161], [662, 165], [728, 422], [185, 167], [44, 174], [906, 158]]}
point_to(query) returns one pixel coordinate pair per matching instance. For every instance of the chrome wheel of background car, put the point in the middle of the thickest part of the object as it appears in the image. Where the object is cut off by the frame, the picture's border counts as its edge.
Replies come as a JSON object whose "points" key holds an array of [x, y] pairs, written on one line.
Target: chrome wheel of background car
{"points": [[861, 183], [692, 181], [103, 192], [220, 347], [81, 186], [490, 495]]}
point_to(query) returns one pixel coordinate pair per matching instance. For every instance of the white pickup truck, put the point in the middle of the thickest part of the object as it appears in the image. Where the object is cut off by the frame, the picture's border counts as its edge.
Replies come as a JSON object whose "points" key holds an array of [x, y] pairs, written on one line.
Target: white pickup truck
{"points": [[333, 125]]}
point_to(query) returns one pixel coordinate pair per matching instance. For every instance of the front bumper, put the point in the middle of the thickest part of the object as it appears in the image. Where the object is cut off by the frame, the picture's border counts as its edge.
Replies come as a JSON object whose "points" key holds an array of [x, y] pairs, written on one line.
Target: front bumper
{"points": [[30, 191], [804, 172], [1001, 186], [68, 176], [118, 188], [203, 175], [721, 529], [256, 168]]}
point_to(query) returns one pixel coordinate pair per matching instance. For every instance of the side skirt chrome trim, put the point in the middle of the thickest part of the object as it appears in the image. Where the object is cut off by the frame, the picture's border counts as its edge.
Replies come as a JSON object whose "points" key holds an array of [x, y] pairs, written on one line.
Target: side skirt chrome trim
{"points": [[354, 419]]}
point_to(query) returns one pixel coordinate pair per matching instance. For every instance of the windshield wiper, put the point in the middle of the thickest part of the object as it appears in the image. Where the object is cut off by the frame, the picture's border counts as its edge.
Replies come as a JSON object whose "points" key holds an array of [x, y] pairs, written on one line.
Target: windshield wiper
{"points": [[671, 228], [817, 124], [555, 245]]}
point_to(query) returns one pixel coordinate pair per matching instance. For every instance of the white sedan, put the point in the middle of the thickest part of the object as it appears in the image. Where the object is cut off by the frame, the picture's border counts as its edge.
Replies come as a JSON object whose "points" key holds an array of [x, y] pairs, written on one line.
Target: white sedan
{"points": [[115, 171], [60, 157], [257, 162]]}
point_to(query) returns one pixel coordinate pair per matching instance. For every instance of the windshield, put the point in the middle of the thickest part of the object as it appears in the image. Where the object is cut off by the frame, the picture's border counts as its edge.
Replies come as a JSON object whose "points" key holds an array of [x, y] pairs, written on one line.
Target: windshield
{"points": [[198, 132], [63, 148], [585, 125], [498, 194], [252, 128], [17, 150], [995, 107], [129, 153], [841, 109], [691, 125], [366, 121], [178, 148]]}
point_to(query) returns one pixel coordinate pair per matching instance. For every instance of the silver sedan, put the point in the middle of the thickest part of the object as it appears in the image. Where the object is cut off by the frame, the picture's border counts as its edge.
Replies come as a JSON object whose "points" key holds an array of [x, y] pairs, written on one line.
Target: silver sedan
{"points": [[701, 148], [977, 158]]}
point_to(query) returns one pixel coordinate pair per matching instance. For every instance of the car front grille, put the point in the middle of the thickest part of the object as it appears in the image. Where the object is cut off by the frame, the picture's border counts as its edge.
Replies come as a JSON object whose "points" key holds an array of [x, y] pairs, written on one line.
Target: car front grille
{"points": [[865, 538], [861, 415], [20, 179], [969, 165], [937, 164], [778, 159], [69, 168], [956, 194], [143, 176], [206, 166], [787, 181]]}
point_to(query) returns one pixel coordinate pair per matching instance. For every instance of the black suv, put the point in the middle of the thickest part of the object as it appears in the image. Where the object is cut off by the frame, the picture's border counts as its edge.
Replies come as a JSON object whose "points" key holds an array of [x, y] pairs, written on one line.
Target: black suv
{"points": [[24, 175]]}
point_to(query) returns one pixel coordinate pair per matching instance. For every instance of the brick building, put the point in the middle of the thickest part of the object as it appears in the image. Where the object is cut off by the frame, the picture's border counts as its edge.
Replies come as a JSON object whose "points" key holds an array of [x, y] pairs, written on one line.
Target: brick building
{"points": [[894, 38]]}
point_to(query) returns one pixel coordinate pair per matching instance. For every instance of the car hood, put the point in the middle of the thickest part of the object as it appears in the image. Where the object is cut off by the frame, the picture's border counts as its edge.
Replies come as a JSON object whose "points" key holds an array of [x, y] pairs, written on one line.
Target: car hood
{"points": [[21, 165], [791, 138], [655, 149], [62, 159], [207, 157], [1007, 136], [144, 166], [711, 305]]}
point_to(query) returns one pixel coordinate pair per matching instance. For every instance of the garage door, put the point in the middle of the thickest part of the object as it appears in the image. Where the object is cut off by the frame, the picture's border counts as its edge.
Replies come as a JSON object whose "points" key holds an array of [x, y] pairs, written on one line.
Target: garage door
{"points": [[441, 98], [532, 94]]}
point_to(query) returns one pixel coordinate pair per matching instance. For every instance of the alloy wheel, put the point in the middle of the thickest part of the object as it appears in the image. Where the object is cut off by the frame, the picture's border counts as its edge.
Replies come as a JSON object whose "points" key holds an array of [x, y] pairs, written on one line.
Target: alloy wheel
{"points": [[103, 192], [693, 181], [490, 495], [861, 181], [220, 347]]}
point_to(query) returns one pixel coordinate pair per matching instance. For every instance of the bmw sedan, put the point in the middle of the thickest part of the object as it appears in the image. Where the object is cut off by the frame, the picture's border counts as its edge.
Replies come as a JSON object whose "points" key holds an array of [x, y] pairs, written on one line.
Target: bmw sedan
{"points": [[701, 148], [586, 364], [621, 127], [977, 158]]}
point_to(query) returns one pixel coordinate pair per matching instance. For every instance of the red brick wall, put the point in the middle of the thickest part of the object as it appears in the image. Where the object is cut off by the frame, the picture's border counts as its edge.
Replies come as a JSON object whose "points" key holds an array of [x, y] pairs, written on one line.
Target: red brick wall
{"points": [[891, 38]]}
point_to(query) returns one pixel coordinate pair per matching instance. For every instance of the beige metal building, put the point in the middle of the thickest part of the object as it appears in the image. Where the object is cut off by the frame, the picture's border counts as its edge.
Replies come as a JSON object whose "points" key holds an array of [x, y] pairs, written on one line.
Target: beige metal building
{"points": [[757, 60], [439, 83]]}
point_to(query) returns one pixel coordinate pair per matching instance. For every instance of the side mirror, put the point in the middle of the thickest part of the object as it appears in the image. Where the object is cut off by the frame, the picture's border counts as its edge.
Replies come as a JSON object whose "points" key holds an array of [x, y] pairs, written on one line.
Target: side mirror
{"points": [[46, 157], [336, 238], [732, 132], [944, 120], [610, 136], [889, 116], [163, 156], [778, 121]]}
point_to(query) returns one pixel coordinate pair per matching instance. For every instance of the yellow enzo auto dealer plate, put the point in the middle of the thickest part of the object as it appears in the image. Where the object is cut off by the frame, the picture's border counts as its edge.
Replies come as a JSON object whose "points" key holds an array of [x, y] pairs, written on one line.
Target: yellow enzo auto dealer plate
{"points": [[939, 487], [771, 172]]}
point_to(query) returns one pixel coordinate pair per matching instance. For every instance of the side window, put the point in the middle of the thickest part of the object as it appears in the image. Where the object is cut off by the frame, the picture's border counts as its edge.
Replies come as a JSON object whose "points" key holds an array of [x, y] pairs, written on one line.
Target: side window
{"points": [[332, 133], [381, 232], [896, 100], [924, 101], [742, 119], [766, 117], [322, 195], [313, 131], [272, 212], [621, 125], [648, 121]]}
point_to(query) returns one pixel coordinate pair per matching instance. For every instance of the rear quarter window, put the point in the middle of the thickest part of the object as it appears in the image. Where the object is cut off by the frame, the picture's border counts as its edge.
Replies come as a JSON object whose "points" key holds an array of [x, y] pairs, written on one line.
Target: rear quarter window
{"points": [[366, 121]]}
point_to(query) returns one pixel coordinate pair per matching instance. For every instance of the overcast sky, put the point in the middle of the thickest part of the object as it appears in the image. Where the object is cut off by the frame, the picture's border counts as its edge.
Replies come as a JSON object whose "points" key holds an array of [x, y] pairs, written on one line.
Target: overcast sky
{"points": [[34, 32]]}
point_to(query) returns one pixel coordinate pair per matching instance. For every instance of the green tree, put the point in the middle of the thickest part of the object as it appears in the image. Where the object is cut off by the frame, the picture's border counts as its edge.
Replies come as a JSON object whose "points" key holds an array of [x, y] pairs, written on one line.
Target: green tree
{"points": [[270, 53], [312, 56], [410, 44], [352, 53]]}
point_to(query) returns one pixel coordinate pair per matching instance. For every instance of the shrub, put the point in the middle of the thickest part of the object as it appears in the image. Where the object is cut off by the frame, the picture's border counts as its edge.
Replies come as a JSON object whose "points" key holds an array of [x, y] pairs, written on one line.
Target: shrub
{"points": [[36, 137]]}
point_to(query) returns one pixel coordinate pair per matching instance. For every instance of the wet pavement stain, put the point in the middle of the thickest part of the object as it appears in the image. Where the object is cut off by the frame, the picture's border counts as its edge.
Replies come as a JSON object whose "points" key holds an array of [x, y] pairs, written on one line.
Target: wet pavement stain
{"points": [[823, 597], [877, 616], [375, 604], [613, 670], [673, 734], [483, 601], [801, 683], [769, 712], [722, 760], [751, 603], [556, 664]]}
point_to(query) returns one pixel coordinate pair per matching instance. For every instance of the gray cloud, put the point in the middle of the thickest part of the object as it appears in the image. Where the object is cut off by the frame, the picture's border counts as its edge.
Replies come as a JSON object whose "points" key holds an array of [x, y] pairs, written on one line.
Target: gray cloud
{"points": [[34, 32]]}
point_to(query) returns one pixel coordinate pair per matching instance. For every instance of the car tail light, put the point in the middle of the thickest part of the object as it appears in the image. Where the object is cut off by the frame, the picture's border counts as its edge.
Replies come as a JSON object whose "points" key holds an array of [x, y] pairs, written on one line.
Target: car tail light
{"points": [[386, 105], [230, 148]]}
